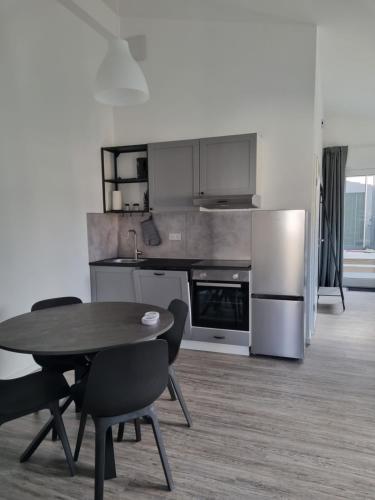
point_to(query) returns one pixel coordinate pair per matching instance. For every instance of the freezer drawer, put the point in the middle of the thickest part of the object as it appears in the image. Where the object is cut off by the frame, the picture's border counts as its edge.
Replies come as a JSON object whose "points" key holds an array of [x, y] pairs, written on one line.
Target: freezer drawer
{"points": [[278, 328], [278, 252]]}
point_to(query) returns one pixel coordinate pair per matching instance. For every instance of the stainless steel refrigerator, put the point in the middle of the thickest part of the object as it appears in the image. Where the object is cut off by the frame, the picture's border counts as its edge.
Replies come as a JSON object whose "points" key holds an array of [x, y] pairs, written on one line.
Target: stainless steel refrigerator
{"points": [[278, 263]]}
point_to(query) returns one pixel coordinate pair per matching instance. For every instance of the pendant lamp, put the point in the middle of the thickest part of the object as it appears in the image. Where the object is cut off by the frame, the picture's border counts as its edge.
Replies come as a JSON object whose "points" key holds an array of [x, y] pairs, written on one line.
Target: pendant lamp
{"points": [[120, 80]]}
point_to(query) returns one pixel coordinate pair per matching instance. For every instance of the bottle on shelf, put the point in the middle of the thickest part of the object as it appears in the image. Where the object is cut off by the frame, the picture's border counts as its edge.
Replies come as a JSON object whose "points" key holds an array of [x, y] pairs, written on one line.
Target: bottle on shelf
{"points": [[116, 200]]}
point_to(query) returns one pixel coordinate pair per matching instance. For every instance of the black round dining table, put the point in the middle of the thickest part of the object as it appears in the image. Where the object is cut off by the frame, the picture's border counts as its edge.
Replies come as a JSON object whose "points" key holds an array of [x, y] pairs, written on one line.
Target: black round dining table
{"points": [[81, 328]]}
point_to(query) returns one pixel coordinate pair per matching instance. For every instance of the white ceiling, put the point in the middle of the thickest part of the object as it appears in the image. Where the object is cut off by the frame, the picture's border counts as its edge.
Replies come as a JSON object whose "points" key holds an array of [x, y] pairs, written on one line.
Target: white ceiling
{"points": [[347, 38]]}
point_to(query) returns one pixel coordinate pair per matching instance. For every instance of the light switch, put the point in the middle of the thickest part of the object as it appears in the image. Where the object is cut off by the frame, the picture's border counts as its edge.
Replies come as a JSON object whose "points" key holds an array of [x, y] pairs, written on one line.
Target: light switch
{"points": [[175, 236]]}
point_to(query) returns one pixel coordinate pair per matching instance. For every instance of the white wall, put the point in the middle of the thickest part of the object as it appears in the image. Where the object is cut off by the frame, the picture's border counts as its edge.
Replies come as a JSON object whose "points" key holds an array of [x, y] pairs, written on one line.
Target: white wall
{"points": [[315, 187], [216, 78], [340, 130], [51, 130], [358, 133], [206, 79]]}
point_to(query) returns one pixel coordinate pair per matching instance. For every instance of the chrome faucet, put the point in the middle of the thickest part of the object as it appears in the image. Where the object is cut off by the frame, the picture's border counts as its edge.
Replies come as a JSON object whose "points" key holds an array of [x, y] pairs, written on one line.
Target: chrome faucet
{"points": [[137, 252]]}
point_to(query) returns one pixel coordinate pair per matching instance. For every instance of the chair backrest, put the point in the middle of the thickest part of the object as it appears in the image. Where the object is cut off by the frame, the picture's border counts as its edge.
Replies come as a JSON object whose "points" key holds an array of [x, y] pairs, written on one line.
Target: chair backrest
{"points": [[52, 362], [174, 335], [59, 301], [126, 379]]}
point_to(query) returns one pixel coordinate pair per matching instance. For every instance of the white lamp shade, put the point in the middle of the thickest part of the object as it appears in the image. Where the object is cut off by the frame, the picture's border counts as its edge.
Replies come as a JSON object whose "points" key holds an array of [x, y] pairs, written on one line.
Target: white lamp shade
{"points": [[120, 80]]}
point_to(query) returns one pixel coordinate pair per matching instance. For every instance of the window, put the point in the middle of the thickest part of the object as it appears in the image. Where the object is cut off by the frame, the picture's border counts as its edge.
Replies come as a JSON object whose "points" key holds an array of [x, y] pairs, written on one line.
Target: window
{"points": [[359, 225]]}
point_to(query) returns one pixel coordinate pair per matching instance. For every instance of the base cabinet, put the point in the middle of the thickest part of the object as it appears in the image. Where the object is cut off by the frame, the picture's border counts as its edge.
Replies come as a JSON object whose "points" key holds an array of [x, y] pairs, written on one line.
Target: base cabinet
{"points": [[112, 284], [161, 287], [154, 287]]}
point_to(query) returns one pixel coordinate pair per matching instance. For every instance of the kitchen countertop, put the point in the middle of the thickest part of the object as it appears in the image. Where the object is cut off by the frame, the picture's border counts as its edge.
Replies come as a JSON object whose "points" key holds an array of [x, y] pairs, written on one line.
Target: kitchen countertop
{"points": [[178, 264], [166, 264], [170, 264]]}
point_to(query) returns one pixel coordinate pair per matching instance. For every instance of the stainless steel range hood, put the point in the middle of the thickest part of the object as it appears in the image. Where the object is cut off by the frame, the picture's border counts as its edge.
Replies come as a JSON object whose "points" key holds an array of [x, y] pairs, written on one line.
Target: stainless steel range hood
{"points": [[231, 202]]}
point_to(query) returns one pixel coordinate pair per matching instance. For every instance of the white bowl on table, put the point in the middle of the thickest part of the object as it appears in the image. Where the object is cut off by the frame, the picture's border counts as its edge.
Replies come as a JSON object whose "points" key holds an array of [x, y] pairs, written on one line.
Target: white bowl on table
{"points": [[150, 318]]}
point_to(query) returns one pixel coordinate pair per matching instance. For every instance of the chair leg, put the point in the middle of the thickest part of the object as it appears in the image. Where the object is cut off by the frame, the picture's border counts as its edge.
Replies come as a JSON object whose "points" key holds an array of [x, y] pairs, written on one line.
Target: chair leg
{"points": [[177, 389], [81, 431], [60, 428], [137, 427], [100, 442], [161, 448], [171, 390], [110, 464], [42, 434], [120, 432], [79, 374]]}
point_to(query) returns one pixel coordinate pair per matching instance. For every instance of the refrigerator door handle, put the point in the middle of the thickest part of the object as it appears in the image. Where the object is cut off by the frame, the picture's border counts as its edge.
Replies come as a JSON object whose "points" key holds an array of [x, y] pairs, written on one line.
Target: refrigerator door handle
{"points": [[296, 298]]}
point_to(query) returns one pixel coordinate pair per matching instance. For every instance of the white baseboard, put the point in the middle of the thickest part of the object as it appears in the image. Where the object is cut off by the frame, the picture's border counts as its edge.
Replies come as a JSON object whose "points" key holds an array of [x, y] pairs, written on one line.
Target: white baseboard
{"points": [[194, 345]]}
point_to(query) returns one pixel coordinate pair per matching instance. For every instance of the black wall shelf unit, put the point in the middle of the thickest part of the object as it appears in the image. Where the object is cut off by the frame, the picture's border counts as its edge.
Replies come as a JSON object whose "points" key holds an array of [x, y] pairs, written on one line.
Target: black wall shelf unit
{"points": [[115, 180]]}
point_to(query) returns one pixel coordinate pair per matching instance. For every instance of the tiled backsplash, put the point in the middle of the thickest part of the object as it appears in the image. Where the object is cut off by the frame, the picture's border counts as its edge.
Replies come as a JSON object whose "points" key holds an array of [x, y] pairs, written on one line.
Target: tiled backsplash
{"points": [[204, 235], [102, 235]]}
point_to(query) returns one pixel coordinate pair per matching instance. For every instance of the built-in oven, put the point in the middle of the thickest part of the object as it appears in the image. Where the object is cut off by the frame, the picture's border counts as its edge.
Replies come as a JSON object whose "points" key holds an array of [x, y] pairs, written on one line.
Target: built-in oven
{"points": [[221, 304]]}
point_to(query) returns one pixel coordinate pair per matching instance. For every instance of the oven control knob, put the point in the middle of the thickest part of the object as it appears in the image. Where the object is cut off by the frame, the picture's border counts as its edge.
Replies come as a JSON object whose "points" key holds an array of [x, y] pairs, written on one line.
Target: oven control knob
{"points": [[235, 276], [203, 276]]}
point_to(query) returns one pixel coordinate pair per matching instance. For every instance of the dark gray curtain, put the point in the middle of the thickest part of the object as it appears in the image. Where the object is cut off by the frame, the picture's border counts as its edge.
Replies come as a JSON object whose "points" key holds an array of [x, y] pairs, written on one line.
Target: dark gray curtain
{"points": [[333, 180]]}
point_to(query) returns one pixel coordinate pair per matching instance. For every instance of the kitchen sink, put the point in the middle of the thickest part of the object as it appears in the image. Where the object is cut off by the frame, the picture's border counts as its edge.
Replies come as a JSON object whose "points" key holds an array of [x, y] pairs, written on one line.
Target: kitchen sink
{"points": [[124, 261]]}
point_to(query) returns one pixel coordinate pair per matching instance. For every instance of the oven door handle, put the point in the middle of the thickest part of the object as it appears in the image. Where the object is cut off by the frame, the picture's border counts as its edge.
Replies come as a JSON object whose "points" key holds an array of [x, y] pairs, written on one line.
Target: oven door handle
{"points": [[220, 285]]}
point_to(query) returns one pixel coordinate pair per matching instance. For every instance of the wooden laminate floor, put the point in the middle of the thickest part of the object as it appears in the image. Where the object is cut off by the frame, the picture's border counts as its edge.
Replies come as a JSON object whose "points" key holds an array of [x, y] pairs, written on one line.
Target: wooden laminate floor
{"points": [[263, 428]]}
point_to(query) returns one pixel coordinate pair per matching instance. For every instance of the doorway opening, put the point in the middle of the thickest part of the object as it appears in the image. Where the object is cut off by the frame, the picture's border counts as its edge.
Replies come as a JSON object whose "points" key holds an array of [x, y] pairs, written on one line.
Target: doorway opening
{"points": [[359, 232]]}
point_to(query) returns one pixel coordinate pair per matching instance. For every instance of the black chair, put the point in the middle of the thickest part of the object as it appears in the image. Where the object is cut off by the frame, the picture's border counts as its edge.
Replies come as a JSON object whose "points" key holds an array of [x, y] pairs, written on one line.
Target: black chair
{"points": [[122, 386], [173, 337], [60, 364], [38, 391]]}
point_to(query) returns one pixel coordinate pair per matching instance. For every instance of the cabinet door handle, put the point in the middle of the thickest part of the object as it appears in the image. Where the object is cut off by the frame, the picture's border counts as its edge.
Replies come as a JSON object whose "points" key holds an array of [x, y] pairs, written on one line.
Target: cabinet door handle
{"points": [[159, 274]]}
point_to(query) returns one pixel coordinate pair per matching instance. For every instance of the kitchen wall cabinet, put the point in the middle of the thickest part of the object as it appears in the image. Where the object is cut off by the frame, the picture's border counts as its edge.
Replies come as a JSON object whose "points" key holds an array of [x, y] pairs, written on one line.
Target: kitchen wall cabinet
{"points": [[227, 165], [217, 166], [112, 284], [161, 287], [173, 174]]}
